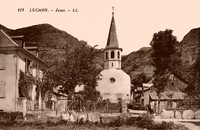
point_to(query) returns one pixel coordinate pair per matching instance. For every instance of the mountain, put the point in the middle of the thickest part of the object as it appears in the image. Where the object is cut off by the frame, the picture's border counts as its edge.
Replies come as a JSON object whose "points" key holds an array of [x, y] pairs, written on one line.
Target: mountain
{"points": [[189, 48], [50, 40], [138, 62], [4, 28], [46, 35]]}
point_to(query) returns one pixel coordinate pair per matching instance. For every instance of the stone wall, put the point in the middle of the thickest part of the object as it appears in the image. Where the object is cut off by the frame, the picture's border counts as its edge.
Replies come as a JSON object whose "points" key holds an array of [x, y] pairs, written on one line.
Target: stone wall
{"points": [[178, 114]]}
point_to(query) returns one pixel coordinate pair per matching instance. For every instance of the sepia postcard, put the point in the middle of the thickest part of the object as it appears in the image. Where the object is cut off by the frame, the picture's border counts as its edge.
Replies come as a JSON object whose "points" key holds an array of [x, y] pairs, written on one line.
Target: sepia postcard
{"points": [[100, 64]]}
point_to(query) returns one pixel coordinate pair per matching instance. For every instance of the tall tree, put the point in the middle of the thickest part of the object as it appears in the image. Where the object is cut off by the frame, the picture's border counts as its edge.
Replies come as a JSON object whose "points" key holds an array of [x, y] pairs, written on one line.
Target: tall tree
{"points": [[139, 79], [78, 68], [163, 45]]}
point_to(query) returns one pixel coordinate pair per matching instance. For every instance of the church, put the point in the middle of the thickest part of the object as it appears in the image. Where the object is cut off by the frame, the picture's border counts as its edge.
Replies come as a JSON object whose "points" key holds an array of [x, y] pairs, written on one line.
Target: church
{"points": [[115, 84]]}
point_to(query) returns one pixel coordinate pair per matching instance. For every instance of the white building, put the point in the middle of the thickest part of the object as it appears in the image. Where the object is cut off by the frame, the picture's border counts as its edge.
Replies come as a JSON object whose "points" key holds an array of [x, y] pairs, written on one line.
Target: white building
{"points": [[115, 84]]}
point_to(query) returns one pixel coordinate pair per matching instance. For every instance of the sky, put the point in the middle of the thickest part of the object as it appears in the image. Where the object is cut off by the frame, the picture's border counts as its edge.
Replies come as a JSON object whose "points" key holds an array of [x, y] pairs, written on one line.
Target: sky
{"points": [[136, 20]]}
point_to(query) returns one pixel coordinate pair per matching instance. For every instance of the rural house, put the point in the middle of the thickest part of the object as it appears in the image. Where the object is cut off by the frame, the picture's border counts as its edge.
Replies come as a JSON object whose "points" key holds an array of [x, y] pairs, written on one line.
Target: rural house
{"points": [[14, 60], [171, 98]]}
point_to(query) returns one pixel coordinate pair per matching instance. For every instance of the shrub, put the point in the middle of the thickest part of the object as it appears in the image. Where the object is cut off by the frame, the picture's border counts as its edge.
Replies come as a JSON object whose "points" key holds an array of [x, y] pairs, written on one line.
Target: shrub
{"points": [[145, 121], [10, 117], [50, 123], [131, 121], [166, 125], [117, 123]]}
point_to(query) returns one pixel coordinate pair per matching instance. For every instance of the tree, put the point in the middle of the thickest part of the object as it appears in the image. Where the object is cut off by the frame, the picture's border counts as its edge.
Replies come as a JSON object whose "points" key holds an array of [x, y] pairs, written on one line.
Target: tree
{"points": [[139, 79], [163, 45], [77, 68], [25, 83], [137, 82]]}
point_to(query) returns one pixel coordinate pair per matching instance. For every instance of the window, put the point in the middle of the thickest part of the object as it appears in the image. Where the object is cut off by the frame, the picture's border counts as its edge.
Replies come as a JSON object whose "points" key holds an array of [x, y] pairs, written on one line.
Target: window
{"points": [[171, 76], [27, 65], [118, 55], [2, 89], [112, 54], [112, 80], [142, 102], [2, 61], [106, 55], [169, 104]]}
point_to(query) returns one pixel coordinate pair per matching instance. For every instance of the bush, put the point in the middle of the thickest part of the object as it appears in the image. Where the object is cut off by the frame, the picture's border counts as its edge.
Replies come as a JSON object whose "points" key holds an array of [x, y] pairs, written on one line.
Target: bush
{"points": [[166, 125], [117, 123], [10, 117], [131, 121], [145, 121]]}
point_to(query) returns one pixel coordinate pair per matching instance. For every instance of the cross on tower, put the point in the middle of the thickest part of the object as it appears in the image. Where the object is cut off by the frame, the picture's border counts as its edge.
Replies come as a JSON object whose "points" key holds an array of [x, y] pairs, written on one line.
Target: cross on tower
{"points": [[113, 10]]}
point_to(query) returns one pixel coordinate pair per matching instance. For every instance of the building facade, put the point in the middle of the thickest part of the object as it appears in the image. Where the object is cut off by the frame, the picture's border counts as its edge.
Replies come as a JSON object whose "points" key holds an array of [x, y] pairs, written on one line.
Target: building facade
{"points": [[14, 59]]}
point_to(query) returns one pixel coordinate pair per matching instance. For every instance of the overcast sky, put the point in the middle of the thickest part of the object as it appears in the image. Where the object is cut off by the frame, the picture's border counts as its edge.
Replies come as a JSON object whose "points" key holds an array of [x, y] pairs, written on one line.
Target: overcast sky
{"points": [[136, 20]]}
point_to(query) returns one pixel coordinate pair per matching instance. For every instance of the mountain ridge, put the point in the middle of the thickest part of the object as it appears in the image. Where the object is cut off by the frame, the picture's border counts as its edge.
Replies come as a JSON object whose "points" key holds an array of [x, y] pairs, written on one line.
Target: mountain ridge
{"points": [[50, 40], [4, 28], [136, 62]]}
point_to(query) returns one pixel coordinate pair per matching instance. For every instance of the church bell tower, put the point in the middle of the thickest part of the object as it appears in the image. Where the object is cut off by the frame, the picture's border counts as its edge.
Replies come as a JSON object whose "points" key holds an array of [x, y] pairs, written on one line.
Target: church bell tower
{"points": [[115, 84], [112, 52]]}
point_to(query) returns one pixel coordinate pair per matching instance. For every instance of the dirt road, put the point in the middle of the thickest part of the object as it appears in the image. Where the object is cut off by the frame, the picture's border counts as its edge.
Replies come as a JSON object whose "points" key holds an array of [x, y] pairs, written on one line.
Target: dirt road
{"points": [[190, 126], [186, 123]]}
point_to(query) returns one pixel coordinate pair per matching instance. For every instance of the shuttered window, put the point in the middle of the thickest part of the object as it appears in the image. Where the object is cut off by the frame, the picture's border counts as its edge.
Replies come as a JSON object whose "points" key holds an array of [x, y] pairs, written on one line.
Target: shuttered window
{"points": [[2, 89], [2, 61]]}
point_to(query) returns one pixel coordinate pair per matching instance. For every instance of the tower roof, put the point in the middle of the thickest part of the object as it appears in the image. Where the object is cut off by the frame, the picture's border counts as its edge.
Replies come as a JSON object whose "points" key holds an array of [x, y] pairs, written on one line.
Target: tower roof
{"points": [[112, 41]]}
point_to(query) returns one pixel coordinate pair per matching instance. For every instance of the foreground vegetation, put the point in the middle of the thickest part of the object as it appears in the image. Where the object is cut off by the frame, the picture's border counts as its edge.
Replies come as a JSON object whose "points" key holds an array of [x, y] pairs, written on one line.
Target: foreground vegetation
{"points": [[119, 123], [86, 126], [64, 126]]}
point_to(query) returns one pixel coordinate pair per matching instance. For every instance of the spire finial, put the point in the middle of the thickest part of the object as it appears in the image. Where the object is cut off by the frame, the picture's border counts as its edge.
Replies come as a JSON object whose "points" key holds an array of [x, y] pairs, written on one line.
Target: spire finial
{"points": [[113, 10]]}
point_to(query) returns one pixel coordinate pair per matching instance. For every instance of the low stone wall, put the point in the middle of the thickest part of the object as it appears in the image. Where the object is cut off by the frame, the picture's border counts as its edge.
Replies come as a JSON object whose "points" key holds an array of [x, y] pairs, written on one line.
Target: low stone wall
{"points": [[197, 114], [81, 117], [176, 114], [104, 118]]}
